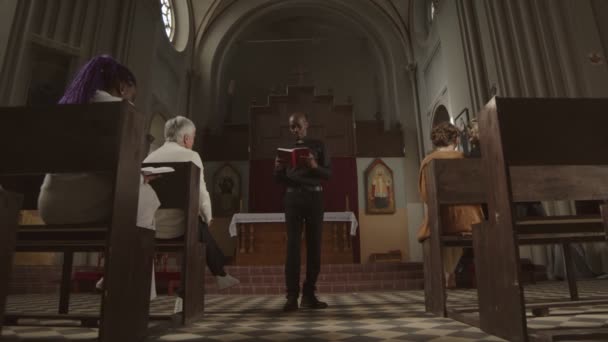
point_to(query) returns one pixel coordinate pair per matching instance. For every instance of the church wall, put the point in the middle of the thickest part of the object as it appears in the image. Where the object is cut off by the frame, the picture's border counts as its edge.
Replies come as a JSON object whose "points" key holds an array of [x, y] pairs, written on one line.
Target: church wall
{"points": [[476, 49], [162, 71], [588, 35], [600, 8], [343, 65], [431, 70], [541, 48], [7, 8], [381, 233], [454, 66], [42, 36]]}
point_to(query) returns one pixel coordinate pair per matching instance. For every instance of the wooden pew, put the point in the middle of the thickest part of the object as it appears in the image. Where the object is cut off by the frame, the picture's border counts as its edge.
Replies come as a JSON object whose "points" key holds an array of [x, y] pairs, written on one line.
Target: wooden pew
{"points": [[448, 182], [102, 137], [534, 150], [9, 211], [180, 189], [462, 181]]}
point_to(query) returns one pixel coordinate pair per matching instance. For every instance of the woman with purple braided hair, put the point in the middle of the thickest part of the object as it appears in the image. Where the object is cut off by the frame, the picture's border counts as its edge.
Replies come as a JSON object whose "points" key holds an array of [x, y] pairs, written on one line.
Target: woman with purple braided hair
{"points": [[100, 77], [82, 198]]}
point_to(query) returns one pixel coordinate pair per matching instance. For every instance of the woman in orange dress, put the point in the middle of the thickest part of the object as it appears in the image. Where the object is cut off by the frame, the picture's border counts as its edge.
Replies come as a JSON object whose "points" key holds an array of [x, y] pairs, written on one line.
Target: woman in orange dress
{"points": [[455, 219]]}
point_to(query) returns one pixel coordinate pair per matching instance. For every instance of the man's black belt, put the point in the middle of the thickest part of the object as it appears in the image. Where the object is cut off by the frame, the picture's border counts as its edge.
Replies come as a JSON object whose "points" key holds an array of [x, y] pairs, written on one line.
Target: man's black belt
{"points": [[305, 188]]}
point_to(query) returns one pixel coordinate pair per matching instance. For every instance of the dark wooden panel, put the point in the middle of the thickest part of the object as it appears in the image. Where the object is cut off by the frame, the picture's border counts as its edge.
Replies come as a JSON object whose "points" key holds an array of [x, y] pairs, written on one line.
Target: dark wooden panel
{"points": [[66, 282], [28, 186], [501, 302], [130, 249], [604, 213], [194, 262], [172, 187], [101, 137], [332, 124], [574, 129], [434, 276], [559, 182], [458, 181], [179, 189], [9, 210], [125, 309], [268, 246], [374, 141], [28, 135], [559, 225]]}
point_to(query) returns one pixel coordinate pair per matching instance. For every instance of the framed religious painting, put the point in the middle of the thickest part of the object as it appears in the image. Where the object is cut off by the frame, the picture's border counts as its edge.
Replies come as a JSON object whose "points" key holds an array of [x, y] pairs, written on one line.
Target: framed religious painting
{"points": [[227, 191], [379, 188]]}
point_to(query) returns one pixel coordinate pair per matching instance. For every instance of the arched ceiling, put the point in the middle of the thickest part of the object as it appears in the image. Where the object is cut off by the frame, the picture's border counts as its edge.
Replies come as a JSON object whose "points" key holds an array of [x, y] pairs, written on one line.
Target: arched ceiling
{"points": [[223, 24], [205, 12]]}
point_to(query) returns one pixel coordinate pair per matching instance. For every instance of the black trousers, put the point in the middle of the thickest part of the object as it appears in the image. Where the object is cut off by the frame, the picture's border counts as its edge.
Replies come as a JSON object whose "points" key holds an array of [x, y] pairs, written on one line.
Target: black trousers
{"points": [[215, 256], [303, 207]]}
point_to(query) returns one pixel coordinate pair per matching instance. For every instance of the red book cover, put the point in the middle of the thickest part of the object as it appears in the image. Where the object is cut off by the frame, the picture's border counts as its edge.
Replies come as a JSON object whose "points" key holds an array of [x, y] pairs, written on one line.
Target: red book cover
{"points": [[292, 157]]}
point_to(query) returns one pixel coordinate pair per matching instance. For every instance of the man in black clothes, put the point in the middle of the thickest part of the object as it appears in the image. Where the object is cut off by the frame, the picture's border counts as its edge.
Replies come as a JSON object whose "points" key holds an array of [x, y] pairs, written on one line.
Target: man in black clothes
{"points": [[303, 203]]}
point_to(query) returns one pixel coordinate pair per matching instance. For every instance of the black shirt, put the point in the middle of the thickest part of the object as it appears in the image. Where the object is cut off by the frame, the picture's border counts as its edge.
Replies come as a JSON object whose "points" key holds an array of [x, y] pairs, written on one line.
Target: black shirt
{"points": [[304, 176]]}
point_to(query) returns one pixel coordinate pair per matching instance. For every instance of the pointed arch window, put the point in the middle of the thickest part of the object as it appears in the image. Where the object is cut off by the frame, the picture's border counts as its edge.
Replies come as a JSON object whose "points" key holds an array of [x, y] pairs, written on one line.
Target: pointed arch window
{"points": [[433, 6], [168, 16]]}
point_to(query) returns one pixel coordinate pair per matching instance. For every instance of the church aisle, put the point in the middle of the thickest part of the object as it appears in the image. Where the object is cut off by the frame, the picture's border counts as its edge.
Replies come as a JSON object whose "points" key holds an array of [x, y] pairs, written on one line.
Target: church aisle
{"points": [[367, 316]]}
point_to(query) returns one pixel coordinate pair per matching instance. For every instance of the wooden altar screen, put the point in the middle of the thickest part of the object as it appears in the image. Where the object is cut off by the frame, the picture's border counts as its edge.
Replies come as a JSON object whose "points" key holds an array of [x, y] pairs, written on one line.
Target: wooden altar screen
{"points": [[334, 125]]}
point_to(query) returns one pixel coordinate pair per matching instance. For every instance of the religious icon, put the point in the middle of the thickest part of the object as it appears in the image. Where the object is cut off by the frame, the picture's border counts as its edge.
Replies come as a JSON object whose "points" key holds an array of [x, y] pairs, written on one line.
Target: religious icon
{"points": [[380, 191], [226, 191]]}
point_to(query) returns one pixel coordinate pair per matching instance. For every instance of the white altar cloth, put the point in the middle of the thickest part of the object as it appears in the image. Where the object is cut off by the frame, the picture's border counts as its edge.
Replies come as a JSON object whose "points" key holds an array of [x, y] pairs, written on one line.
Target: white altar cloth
{"points": [[340, 216]]}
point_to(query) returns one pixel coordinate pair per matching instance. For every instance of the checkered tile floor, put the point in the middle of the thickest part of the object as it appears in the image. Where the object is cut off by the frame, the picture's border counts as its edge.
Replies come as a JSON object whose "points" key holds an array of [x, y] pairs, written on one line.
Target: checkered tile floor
{"points": [[371, 316]]}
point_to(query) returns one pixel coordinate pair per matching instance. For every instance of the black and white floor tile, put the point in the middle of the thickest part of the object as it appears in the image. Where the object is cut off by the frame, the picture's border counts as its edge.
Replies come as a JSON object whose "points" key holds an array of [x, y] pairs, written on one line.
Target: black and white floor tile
{"points": [[369, 316]]}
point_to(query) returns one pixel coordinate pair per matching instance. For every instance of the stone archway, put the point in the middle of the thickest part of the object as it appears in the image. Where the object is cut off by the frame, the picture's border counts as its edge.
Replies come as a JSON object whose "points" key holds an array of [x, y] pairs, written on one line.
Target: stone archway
{"points": [[391, 51], [440, 115]]}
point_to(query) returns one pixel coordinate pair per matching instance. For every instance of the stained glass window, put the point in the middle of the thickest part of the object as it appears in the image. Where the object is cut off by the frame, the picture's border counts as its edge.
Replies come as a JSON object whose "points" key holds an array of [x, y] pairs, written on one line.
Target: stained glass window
{"points": [[166, 10]]}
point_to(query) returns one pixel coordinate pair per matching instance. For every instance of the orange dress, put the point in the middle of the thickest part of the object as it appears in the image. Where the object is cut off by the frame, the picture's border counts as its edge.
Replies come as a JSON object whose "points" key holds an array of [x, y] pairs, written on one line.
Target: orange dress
{"points": [[454, 218]]}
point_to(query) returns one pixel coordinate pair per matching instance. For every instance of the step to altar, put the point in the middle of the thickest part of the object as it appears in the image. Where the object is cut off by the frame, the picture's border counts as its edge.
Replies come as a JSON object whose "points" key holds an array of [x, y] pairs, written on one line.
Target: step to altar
{"points": [[254, 279], [332, 279]]}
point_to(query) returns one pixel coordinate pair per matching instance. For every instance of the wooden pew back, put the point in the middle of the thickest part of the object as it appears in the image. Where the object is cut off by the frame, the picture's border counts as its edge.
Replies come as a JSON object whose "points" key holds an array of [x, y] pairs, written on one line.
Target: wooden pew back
{"points": [[540, 131], [9, 211], [86, 137], [532, 150], [100, 137], [180, 190], [457, 181]]}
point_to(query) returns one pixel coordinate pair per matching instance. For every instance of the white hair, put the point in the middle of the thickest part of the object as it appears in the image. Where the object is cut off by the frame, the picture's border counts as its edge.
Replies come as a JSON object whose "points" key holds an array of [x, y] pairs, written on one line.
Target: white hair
{"points": [[178, 127]]}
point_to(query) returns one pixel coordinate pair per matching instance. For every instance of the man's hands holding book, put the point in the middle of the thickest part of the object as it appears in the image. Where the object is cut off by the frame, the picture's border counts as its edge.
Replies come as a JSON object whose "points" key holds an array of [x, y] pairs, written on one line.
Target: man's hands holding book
{"points": [[309, 161], [295, 158]]}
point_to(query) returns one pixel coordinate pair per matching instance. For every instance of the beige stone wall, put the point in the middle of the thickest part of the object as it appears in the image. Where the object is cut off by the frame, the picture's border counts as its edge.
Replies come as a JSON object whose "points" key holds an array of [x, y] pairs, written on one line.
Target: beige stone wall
{"points": [[382, 233]]}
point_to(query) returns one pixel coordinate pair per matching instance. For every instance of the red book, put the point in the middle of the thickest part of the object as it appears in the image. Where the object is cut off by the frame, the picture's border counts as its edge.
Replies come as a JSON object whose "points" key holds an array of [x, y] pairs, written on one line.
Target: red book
{"points": [[293, 157]]}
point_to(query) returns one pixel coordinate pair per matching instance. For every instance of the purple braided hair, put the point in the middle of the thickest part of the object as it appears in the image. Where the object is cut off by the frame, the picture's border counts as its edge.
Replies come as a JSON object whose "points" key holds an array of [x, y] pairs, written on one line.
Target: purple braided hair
{"points": [[100, 73]]}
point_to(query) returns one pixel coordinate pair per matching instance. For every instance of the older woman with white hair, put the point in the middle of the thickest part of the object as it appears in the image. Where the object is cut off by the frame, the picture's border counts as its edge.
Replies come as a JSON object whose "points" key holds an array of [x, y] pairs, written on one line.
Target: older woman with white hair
{"points": [[170, 223]]}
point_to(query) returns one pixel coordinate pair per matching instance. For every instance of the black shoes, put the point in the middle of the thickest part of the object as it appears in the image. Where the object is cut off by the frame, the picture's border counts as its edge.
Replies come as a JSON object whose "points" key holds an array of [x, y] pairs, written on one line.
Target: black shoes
{"points": [[291, 304], [311, 302], [307, 302]]}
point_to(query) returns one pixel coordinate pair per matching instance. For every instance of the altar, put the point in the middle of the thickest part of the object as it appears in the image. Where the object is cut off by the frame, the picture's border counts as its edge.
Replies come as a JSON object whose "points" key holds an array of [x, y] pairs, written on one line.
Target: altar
{"points": [[262, 238]]}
